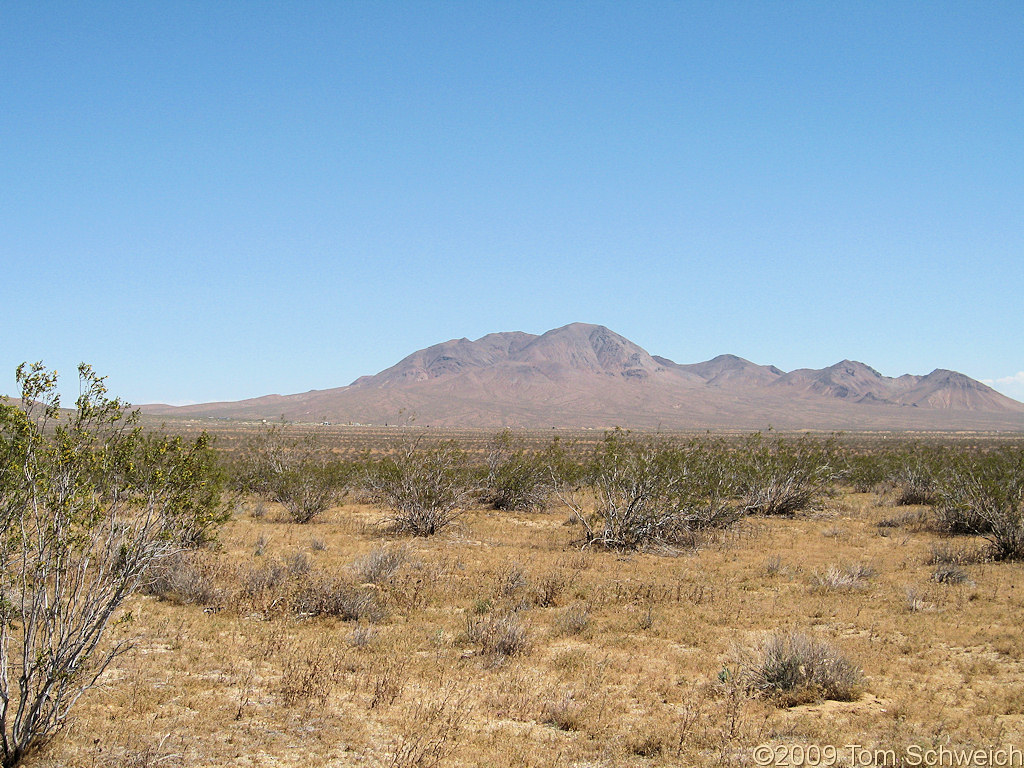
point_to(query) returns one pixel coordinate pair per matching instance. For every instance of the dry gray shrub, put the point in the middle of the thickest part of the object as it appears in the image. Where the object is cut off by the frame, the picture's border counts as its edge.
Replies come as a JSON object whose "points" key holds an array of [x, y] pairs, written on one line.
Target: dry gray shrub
{"points": [[795, 668], [379, 564], [843, 578], [574, 620], [498, 636]]}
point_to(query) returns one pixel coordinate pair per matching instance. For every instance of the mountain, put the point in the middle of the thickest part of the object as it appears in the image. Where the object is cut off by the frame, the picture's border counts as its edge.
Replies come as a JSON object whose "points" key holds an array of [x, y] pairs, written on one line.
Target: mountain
{"points": [[585, 375]]}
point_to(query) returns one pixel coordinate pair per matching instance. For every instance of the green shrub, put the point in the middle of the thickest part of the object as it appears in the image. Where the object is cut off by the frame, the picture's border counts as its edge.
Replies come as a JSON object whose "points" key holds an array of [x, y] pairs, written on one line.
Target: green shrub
{"points": [[88, 504], [983, 494], [781, 476], [297, 471], [425, 488], [516, 479], [651, 492]]}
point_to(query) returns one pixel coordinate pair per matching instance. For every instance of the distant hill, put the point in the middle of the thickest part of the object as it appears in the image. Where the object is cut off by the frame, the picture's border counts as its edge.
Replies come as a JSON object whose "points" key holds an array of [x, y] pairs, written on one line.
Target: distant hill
{"points": [[585, 375]]}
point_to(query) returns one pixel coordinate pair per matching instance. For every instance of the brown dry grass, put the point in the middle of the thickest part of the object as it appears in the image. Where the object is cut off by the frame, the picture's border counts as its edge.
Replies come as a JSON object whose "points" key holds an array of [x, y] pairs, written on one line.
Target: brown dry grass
{"points": [[624, 658]]}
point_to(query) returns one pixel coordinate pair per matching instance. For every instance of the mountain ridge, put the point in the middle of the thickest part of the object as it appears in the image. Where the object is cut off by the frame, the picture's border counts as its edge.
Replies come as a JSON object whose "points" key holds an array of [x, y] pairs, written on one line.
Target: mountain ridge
{"points": [[584, 375]]}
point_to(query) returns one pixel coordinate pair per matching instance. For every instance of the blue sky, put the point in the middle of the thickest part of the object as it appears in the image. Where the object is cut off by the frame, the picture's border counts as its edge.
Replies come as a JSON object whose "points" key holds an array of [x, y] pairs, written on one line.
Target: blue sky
{"points": [[222, 200]]}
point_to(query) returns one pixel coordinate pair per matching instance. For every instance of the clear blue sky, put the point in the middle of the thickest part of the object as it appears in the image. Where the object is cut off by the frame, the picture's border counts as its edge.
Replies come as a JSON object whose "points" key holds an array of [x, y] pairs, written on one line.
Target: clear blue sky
{"points": [[218, 200]]}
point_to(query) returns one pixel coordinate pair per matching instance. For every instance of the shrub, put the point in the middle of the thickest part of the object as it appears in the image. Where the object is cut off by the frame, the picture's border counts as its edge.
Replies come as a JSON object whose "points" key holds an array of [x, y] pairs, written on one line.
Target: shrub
{"points": [[296, 471], [848, 577], [783, 476], [379, 564], [88, 504], [868, 470], [563, 712], [947, 554], [914, 485], [424, 488], [984, 494], [499, 636], [516, 480], [182, 578], [949, 574], [649, 492], [574, 620], [794, 668], [337, 598]]}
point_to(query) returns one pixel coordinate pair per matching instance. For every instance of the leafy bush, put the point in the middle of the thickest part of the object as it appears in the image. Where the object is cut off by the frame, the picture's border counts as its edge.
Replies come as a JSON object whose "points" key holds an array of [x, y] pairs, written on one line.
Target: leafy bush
{"points": [[868, 470], [984, 494], [88, 503], [780, 476], [297, 471], [650, 492], [516, 479], [915, 474], [424, 488], [795, 668]]}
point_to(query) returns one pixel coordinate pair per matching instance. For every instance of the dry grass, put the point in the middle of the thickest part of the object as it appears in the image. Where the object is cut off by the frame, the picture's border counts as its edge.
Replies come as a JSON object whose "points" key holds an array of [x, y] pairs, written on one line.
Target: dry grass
{"points": [[499, 643]]}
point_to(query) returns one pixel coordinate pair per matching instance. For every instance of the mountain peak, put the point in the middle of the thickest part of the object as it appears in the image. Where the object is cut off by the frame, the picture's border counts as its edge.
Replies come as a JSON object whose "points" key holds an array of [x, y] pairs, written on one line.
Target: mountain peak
{"points": [[583, 374]]}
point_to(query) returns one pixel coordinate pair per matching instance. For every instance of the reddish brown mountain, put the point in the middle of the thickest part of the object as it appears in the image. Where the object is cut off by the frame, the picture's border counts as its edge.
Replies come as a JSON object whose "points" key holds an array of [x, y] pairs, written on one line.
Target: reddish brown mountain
{"points": [[588, 376]]}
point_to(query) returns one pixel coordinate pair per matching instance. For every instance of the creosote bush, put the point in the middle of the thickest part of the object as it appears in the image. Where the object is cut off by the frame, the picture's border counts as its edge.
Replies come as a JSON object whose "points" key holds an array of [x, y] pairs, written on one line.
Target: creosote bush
{"points": [[297, 471], [782, 476], [88, 503], [517, 480], [651, 492], [984, 494], [795, 668], [425, 488]]}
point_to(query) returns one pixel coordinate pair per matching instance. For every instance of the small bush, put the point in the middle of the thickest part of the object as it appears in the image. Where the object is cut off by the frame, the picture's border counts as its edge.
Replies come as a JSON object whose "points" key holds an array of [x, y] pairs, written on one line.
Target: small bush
{"points": [[574, 620], [184, 578], [915, 485], [548, 589], [424, 488], [949, 574], [310, 674], [783, 476], [499, 636], [843, 578], [512, 582], [794, 668], [948, 554], [379, 564], [338, 599], [563, 712], [294, 470]]}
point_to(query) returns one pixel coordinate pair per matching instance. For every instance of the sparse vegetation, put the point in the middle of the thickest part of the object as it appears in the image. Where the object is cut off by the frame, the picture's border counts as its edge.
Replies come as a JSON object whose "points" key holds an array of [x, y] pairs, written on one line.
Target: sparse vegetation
{"points": [[503, 642]]}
